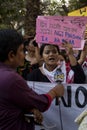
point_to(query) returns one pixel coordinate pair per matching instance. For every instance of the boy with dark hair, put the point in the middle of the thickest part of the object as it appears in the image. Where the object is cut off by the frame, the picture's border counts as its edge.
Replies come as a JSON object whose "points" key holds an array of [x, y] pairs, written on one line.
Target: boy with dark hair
{"points": [[16, 98]]}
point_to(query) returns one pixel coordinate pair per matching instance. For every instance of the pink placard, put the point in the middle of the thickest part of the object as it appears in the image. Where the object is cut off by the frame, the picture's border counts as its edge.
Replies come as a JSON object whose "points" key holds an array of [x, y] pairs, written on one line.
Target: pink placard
{"points": [[80, 21], [53, 31]]}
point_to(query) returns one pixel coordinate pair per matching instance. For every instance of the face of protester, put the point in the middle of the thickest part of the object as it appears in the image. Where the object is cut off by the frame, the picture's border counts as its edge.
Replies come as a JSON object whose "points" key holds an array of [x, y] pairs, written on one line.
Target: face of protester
{"points": [[50, 57], [15, 60]]}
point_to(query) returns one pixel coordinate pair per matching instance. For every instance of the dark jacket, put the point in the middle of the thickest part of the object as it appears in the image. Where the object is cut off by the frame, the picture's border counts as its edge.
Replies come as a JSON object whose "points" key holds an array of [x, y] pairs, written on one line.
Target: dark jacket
{"points": [[37, 75]]}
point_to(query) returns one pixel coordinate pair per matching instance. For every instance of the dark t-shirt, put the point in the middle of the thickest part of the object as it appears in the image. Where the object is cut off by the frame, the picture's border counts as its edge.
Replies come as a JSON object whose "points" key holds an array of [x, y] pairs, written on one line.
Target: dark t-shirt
{"points": [[16, 98]]}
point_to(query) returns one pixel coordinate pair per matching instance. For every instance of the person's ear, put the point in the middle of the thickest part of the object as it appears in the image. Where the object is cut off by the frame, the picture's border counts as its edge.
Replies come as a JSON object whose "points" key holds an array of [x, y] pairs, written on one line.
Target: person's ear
{"points": [[11, 56]]}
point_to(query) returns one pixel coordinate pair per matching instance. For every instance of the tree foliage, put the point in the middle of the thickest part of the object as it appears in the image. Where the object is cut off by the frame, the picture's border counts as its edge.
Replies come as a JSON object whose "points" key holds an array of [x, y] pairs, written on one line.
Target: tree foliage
{"points": [[11, 13], [32, 11], [23, 13], [75, 4]]}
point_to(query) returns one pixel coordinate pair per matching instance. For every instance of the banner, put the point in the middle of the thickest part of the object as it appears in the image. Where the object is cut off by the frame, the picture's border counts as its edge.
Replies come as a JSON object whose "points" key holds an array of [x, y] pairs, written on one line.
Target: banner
{"points": [[79, 12], [61, 117], [54, 30]]}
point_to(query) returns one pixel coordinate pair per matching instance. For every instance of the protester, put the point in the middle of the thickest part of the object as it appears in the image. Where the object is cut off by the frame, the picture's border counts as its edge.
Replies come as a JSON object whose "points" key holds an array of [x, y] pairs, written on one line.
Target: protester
{"points": [[32, 57], [81, 119], [83, 59], [32, 54], [46, 73], [16, 98]]}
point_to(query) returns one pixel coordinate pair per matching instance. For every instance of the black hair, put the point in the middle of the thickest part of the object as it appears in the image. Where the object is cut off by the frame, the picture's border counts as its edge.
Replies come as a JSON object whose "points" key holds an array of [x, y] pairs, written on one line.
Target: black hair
{"points": [[10, 40], [27, 40], [45, 44]]}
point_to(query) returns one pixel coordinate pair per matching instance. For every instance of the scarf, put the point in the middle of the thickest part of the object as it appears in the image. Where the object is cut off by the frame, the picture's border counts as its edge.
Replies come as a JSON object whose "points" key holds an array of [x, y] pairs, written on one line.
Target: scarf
{"points": [[50, 75]]}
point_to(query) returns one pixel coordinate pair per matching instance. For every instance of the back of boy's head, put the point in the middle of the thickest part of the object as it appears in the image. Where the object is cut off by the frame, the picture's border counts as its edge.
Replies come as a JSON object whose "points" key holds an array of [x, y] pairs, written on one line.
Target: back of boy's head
{"points": [[10, 40]]}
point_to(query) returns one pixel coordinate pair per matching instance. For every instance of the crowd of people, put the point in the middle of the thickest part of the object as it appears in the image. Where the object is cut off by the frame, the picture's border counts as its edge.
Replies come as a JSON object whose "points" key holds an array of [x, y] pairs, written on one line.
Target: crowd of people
{"points": [[23, 59]]}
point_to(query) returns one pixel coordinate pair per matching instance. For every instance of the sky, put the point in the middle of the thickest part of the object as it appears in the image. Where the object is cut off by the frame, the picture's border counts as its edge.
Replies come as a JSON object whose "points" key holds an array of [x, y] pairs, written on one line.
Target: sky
{"points": [[57, 0], [61, 0]]}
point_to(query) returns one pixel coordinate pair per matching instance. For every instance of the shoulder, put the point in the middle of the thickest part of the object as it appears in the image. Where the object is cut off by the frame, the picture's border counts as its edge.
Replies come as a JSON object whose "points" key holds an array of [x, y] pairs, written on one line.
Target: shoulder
{"points": [[14, 80], [16, 77], [35, 72]]}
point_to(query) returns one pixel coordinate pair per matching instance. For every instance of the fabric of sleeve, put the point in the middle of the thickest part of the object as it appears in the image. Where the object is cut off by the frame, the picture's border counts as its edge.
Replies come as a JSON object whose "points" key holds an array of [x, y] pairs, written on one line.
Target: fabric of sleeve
{"points": [[25, 98], [49, 100], [79, 76]]}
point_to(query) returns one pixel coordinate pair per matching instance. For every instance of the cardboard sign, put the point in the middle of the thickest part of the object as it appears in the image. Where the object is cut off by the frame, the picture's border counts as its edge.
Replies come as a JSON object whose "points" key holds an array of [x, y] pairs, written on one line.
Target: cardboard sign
{"points": [[54, 31]]}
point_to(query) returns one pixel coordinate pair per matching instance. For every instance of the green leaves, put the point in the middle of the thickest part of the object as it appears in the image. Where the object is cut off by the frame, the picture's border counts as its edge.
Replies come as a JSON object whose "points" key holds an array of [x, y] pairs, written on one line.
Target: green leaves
{"points": [[11, 11]]}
